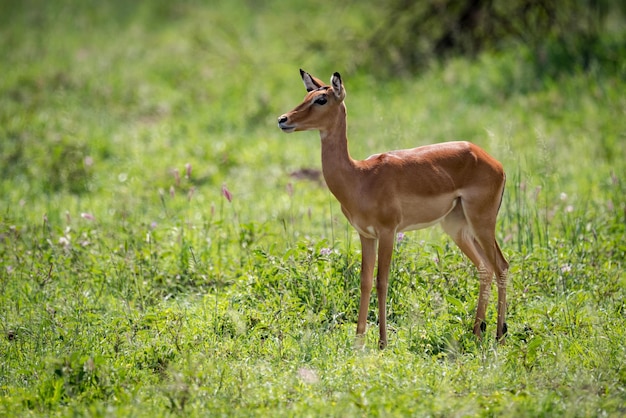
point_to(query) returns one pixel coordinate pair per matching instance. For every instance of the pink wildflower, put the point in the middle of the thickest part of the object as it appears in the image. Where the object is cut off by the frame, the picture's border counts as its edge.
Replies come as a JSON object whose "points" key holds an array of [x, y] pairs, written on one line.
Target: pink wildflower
{"points": [[87, 216], [226, 193], [326, 251]]}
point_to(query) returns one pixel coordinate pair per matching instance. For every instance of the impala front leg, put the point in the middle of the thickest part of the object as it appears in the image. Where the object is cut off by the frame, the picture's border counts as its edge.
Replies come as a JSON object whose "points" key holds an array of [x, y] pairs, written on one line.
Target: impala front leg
{"points": [[385, 251], [368, 260]]}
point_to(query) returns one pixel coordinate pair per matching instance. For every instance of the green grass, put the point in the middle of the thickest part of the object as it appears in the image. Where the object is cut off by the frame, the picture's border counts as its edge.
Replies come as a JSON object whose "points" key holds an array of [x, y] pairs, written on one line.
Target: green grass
{"points": [[130, 287]]}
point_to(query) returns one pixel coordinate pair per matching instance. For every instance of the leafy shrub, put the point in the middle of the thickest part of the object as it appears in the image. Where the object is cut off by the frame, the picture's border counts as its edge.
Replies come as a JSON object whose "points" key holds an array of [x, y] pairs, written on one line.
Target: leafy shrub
{"points": [[563, 36]]}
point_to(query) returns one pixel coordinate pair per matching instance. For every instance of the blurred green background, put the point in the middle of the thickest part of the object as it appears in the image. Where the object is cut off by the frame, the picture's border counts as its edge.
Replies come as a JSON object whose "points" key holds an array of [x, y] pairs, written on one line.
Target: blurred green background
{"points": [[173, 82]]}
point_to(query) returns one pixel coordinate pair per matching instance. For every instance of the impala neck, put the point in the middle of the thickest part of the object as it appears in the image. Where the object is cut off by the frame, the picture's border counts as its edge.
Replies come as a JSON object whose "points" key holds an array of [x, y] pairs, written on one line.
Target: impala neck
{"points": [[337, 165]]}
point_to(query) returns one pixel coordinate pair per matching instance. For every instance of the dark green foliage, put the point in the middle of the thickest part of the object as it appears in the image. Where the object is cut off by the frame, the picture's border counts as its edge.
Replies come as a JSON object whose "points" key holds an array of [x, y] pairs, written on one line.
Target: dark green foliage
{"points": [[564, 37]]}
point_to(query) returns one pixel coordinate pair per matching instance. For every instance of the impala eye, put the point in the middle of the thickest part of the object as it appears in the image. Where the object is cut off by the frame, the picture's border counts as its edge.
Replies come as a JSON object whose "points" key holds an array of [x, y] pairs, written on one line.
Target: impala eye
{"points": [[321, 100]]}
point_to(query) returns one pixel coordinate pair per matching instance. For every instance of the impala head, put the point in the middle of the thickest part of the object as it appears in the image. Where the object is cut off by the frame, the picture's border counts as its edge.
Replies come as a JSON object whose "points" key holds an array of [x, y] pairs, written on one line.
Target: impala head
{"points": [[320, 106]]}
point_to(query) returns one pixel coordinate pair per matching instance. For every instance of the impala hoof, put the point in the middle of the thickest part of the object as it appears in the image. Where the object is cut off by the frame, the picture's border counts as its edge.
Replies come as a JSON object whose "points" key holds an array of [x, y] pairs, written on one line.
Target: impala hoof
{"points": [[502, 337], [479, 329]]}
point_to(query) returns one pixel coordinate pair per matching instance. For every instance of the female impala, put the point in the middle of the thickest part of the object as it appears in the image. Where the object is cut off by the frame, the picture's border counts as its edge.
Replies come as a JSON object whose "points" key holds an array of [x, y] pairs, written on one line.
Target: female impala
{"points": [[455, 183]]}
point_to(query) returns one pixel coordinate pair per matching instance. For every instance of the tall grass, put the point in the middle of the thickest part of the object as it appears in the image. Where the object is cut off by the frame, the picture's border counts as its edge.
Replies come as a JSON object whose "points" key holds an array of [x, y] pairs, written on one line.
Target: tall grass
{"points": [[158, 257]]}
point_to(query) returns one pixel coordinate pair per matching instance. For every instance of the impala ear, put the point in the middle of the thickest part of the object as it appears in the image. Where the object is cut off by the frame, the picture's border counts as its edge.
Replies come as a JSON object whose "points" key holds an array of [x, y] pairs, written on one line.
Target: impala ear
{"points": [[311, 83], [337, 84]]}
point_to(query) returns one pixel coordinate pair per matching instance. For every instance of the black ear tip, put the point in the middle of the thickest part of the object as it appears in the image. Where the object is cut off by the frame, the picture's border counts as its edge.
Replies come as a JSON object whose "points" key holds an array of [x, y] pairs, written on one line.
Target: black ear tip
{"points": [[302, 72], [336, 74]]}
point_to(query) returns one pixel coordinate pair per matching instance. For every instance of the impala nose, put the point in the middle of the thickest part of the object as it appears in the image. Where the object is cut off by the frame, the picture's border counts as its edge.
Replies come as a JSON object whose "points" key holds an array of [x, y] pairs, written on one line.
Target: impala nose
{"points": [[282, 124]]}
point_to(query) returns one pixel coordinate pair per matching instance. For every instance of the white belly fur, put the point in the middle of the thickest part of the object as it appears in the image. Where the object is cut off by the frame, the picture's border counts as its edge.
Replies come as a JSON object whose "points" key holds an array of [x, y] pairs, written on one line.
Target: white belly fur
{"points": [[422, 225], [370, 231]]}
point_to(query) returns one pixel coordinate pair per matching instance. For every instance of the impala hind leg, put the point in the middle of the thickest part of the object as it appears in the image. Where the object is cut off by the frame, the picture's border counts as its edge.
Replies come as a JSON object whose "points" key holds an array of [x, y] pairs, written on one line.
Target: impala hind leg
{"points": [[501, 281], [368, 260], [490, 251], [482, 223], [470, 249], [456, 225]]}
